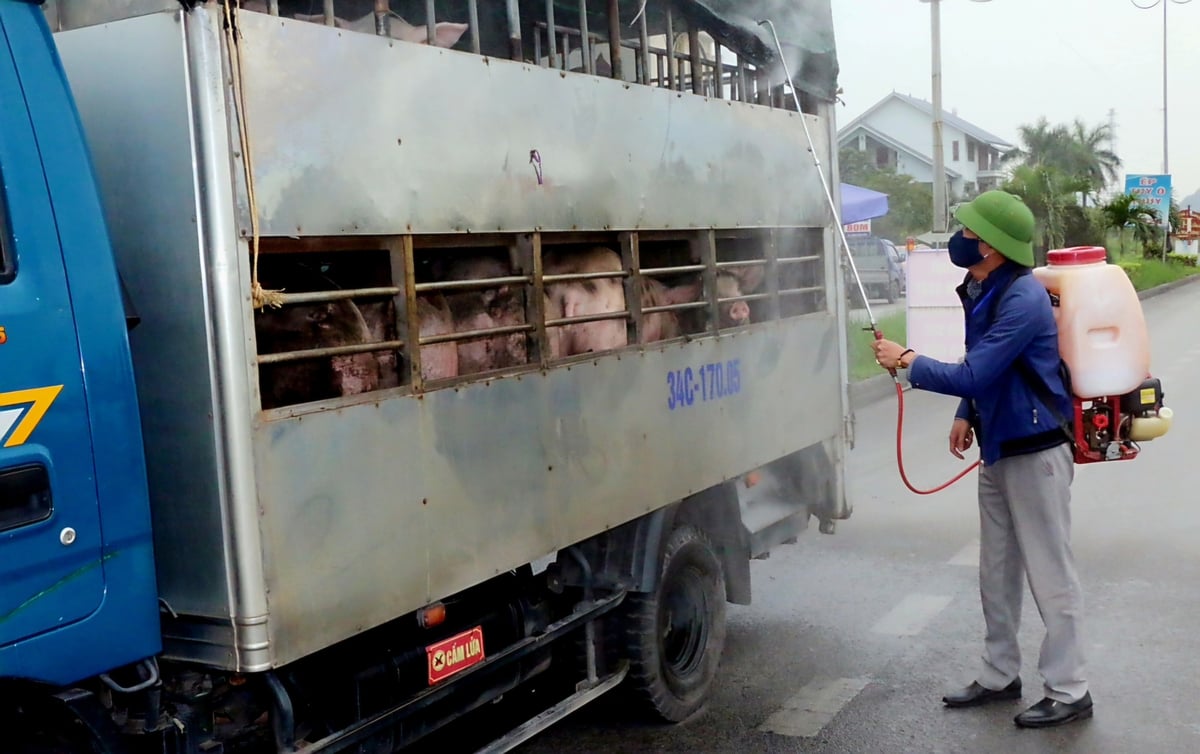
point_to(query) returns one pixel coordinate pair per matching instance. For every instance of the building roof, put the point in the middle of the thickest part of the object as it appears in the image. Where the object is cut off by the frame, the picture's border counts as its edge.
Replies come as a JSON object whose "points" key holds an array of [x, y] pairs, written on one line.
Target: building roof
{"points": [[886, 140], [948, 117]]}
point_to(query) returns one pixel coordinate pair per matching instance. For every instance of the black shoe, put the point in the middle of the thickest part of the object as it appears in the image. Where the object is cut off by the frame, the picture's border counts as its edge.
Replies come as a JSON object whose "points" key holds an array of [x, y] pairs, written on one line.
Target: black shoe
{"points": [[975, 695], [1049, 712]]}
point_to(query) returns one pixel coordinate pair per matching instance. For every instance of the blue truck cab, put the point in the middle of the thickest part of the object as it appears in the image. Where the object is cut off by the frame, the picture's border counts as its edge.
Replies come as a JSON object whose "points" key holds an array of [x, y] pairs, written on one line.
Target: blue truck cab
{"points": [[77, 582]]}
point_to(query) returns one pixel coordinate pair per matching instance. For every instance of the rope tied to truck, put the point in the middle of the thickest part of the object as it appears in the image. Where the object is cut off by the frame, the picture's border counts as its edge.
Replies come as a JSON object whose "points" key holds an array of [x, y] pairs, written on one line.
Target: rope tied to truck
{"points": [[259, 296]]}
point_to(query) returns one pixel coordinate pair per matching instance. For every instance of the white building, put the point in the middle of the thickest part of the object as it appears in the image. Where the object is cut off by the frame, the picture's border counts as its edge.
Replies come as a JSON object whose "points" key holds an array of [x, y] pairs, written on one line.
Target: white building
{"points": [[898, 132]]}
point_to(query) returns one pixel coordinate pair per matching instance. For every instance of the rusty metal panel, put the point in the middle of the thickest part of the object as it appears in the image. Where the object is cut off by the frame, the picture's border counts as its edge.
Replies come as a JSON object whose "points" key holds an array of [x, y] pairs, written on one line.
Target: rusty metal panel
{"points": [[358, 134], [373, 510]]}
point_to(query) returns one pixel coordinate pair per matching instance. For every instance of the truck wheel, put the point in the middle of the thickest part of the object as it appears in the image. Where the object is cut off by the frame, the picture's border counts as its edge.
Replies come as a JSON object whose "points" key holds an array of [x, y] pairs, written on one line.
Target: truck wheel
{"points": [[674, 636], [893, 291]]}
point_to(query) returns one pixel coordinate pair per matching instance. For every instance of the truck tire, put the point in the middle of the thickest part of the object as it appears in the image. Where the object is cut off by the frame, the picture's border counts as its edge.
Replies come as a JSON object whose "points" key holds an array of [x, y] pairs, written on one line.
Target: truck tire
{"points": [[674, 636], [893, 291]]}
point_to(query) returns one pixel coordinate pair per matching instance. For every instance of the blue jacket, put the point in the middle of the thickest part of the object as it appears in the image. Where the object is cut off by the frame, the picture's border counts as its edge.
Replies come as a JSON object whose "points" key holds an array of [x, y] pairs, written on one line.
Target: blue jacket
{"points": [[1006, 413]]}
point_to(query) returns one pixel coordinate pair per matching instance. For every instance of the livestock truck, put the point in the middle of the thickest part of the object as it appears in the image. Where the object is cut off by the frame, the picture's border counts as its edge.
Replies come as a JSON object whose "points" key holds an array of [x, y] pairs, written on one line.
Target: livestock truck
{"points": [[185, 569]]}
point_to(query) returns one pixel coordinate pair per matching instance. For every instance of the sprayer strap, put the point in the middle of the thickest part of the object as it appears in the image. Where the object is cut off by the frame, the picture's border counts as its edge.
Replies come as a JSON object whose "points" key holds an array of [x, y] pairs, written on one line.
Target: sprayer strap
{"points": [[1032, 378]]}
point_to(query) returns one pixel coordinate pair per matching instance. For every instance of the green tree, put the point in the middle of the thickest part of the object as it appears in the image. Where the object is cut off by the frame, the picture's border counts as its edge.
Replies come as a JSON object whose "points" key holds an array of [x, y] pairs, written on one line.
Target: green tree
{"points": [[910, 204]]}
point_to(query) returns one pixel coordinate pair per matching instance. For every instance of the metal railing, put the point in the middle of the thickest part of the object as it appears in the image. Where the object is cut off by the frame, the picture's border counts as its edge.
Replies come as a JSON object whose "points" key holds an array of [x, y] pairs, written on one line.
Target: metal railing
{"points": [[664, 67], [533, 286]]}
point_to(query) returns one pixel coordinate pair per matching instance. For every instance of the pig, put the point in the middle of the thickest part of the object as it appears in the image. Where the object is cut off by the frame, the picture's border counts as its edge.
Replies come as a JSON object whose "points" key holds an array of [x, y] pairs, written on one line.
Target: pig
{"points": [[578, 298], [667, 325], [445, 34], [440, 360], [319, 325], [488, 308]]}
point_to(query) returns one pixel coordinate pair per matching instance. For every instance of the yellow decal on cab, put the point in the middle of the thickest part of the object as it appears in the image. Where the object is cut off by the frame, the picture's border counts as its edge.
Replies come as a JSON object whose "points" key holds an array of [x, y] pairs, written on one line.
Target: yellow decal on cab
{"points": [[22, 410]]}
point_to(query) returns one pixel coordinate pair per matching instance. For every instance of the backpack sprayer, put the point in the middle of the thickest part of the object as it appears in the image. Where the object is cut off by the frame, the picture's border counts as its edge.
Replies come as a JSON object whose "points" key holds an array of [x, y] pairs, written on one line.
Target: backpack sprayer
{"points": [[1103, 346]]}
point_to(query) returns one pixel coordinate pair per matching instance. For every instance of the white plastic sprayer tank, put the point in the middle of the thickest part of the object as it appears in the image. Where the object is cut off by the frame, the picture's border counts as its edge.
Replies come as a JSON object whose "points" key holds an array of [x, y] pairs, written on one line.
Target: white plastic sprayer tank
{"points": [[1101, 329]]}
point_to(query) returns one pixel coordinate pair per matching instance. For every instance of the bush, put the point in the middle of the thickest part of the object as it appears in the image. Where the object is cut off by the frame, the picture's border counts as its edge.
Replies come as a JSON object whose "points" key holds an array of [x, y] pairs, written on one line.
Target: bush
{"points": [[1150, 273], [1184, 260]]}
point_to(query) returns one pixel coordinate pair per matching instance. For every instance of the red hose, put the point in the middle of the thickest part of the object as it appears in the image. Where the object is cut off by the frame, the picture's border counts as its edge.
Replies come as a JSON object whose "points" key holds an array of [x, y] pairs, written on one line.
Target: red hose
{"points": [[900, 449]]}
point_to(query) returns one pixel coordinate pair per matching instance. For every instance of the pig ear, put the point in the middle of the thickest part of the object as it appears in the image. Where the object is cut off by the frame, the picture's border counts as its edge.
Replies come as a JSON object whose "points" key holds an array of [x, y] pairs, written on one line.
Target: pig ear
{"points": [[448, 34], [686, 293], [751, 277]]}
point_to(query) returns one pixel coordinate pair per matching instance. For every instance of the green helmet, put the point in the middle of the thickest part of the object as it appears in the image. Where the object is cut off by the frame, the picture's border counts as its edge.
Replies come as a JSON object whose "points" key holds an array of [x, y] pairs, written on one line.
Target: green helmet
{"points": [[1003, 222]]}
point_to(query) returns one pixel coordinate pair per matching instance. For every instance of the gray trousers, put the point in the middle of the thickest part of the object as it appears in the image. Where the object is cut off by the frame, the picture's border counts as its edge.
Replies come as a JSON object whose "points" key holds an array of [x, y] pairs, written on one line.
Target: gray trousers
{"points": [[1025, 528]]}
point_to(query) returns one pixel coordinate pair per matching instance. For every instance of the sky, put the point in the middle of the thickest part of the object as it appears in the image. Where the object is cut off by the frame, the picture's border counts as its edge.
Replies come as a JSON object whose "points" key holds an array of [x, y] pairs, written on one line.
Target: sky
{"points": [[1006, 63]]}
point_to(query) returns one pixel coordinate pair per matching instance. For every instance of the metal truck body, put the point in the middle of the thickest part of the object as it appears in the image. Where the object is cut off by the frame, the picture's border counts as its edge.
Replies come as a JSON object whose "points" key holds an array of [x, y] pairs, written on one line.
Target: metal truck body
{"points": [[281, 535]]}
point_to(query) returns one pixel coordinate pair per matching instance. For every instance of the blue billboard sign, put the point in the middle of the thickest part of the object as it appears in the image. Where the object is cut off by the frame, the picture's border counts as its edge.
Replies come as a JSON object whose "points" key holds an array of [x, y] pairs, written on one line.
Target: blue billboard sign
{"points": [[1154, 191]]}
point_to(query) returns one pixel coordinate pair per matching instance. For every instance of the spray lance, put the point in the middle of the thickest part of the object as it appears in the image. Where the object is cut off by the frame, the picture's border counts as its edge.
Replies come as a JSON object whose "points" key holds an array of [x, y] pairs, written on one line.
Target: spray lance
{"points": [[873, 328], [1117, 402]]}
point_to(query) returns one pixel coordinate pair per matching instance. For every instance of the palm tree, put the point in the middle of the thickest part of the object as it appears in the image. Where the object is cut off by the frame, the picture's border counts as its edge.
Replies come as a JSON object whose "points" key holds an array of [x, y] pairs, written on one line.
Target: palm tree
{"points": [[1127, 211], [1050, 195], [1076, 151], [1094, 159]]}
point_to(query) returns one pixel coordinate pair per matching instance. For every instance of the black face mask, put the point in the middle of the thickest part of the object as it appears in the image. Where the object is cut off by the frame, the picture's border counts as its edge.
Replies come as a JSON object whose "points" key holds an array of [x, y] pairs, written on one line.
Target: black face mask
{"points": [[964, 252]]}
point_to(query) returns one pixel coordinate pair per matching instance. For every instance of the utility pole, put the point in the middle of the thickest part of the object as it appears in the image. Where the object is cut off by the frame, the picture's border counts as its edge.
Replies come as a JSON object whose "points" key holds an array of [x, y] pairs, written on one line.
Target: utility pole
{"points": [[1112, 132], [939, 157]]}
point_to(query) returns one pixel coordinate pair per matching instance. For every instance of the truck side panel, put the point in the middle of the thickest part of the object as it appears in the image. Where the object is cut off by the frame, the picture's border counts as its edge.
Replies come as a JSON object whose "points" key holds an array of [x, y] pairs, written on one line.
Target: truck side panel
{"points": [[447, 138], [146, 161]]}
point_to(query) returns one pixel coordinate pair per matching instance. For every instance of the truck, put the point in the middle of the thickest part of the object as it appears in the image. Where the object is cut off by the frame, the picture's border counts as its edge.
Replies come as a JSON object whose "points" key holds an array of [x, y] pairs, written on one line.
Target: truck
{"points": [[201, 201], [880, 267]]}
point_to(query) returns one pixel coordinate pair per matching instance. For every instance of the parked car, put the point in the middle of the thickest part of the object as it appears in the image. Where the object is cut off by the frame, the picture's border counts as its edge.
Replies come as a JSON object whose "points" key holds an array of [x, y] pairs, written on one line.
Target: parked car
{"points": [[880, 266]]}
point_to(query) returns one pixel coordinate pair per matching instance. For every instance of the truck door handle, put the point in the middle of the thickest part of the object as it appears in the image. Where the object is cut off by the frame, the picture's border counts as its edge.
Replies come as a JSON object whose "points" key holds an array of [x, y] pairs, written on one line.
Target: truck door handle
{"points": [[24, 496]]}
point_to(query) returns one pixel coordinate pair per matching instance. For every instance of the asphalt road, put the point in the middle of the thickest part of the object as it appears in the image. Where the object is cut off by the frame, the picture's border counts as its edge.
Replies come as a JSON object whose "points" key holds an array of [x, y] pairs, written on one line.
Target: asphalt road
{"points": [[853, 638]]}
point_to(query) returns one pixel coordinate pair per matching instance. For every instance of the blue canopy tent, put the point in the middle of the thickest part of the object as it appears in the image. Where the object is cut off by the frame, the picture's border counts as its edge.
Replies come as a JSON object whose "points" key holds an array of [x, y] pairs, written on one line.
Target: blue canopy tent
{"points": [[860, 204]]}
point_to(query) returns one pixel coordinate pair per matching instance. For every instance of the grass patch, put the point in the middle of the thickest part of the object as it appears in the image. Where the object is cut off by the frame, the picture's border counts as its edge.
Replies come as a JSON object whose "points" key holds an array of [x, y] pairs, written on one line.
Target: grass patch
{"points": [[1150, 273], [862, 357]]}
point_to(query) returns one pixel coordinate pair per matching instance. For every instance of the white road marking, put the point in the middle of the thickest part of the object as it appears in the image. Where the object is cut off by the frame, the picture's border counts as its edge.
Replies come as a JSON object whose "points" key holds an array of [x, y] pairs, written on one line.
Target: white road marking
{"points": [[813, 707], [911, 616], [967, 556]]}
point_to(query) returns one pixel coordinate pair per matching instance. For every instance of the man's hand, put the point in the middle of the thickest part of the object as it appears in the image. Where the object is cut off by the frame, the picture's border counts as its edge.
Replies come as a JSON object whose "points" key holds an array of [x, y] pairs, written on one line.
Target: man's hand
{"points": [[961, 436], [891, 355]]}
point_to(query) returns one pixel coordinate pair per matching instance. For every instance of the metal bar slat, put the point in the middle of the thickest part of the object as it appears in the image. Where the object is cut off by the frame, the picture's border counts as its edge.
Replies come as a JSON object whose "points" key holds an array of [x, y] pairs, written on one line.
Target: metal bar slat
{"points": [[798, 291], [383, 18], [465, 335], [644, 53], [318, 353], [470, 285], [330, 17], [719, 74], [670, 47], [536, 310], [741, 263], [313, 297], [632, 262], [584, 42], [744, 297], [614, 39], [772, 273], [569, 277], [708, 252], [412, 307], [550, 30], [273, 7], [674, 307], [661, 271], [514, 31], [697, 64], [401, 304], [585, 318], [431, 22], [798, 260], [473, 23]]}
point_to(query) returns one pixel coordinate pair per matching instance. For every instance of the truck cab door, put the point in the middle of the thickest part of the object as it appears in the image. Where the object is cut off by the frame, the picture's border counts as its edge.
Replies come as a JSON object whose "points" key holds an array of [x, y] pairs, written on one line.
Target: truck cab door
{"points": [[51, 570]]}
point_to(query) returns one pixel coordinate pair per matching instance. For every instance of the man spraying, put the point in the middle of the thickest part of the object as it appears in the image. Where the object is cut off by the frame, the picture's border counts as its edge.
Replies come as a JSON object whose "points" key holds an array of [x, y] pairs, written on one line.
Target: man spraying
{"points": [[1027, 464]]}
